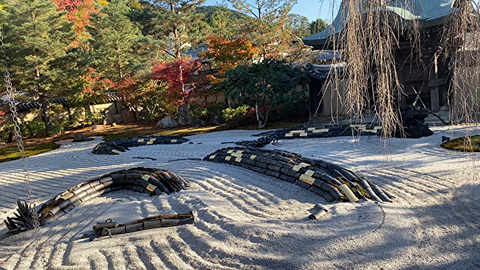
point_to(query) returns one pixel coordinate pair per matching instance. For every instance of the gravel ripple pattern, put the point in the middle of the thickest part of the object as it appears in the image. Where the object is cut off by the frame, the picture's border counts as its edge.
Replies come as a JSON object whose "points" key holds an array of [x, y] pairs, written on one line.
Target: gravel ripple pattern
{"points": [[248, 220]]}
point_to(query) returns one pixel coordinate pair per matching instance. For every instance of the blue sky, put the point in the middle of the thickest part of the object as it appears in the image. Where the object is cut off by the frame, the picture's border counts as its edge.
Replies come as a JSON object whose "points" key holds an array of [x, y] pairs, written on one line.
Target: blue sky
{"points": [[312, 9]]}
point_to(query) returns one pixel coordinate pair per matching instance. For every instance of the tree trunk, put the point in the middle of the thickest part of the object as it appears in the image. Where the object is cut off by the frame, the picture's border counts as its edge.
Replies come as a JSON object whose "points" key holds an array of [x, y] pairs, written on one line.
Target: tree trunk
{"points": [[45, 117], [262, 118], [69, 113]]}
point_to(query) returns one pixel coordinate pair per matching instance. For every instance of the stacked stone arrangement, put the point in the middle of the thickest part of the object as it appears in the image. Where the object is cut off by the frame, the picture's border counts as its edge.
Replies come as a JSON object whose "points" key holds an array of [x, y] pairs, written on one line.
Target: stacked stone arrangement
{"points": [[143, 180], [330, 181], [327, 131], [109, 227], [116, 147], [312, 132]]}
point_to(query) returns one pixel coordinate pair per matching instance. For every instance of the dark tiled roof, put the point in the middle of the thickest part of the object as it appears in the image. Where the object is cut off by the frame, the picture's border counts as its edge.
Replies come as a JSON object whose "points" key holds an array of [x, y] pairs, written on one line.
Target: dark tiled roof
{"points": [[35, 104], [429, 13]]}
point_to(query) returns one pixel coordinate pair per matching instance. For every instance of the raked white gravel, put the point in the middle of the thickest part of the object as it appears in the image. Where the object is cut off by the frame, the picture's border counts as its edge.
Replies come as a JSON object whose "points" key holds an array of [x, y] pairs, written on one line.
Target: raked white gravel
{"points": [[248, 220]]}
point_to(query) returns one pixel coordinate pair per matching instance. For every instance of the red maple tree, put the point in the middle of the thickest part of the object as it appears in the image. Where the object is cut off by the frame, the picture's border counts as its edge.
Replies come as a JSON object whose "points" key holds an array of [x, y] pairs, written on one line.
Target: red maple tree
{"points": [[93, 82], [176, 73]]}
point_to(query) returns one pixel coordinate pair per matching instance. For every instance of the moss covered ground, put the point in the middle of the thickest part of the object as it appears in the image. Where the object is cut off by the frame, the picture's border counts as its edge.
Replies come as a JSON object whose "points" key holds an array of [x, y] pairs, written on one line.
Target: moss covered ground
{"points": [[468, 143]]}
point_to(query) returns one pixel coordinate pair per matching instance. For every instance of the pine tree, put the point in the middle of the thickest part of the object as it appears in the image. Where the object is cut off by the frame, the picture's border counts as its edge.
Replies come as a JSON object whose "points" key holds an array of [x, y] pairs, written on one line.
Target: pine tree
{"points": [[119, 51], [37, 39], [264, 85], [317, 26], [267, 24], [177, 24], [118, 46], [298, 25]]}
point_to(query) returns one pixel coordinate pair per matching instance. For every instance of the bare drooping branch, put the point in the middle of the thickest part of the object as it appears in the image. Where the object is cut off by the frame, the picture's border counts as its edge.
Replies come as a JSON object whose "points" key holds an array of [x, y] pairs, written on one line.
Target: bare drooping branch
{"points": [[461, 44], [367, 43]]}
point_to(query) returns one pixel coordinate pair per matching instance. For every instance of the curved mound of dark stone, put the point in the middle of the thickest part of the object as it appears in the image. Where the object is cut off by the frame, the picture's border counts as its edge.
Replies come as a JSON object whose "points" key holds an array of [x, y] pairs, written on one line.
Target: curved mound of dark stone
{"points": [[144, 180], [311, 132], [328, 180], [116, 147], [261, 142], [325, 131]]}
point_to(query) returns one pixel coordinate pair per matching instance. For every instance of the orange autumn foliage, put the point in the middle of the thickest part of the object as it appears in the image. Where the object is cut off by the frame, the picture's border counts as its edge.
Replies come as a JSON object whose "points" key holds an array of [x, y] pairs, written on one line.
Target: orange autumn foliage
{"points": [[227, 54], [79, 12]]}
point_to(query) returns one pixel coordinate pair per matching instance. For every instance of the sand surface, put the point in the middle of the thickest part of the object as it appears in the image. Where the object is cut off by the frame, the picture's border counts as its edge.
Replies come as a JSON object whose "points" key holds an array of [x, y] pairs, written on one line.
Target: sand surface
{"points": [[248, 220]]}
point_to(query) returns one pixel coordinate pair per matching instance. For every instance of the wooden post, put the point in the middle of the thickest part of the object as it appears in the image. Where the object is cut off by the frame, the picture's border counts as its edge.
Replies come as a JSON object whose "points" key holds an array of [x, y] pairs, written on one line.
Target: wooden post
{"points": [[434, 91]]}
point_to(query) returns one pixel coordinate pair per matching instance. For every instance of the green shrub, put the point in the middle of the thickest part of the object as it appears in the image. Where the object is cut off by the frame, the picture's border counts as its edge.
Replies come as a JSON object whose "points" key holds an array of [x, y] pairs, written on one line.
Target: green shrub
{"points": [[197, 112], [291, 111], [59, 128], [28, 129], [5, 130], [245, 119], [94, 118], [229, 113], [32, 129], [216, 109], [54, 110]]}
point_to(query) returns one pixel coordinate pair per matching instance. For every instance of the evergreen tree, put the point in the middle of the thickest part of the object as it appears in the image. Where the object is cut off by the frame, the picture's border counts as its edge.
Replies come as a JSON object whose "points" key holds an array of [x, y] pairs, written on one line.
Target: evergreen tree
{"points": [[264, 85], [119, 51], [177, 24], [118, 47], [317, 26], [266, 25], [298, 25], [222, 21], [37, 39]]}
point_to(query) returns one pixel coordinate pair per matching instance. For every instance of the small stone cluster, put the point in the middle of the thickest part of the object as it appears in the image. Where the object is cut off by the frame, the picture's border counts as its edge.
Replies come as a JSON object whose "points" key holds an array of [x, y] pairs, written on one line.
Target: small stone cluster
{"points": [[116, 147], [330, 181], [24, 218]]}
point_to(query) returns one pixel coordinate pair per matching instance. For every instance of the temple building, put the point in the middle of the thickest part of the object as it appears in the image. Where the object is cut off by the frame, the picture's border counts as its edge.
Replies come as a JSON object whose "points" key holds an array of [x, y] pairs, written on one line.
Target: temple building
{"points": [[430, 77]]}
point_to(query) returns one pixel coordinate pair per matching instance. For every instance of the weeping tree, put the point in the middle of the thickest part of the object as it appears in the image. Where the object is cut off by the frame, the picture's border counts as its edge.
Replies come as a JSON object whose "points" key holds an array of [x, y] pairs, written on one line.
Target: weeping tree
{"points": [[369, 36], [460, 44], [367, 43]]}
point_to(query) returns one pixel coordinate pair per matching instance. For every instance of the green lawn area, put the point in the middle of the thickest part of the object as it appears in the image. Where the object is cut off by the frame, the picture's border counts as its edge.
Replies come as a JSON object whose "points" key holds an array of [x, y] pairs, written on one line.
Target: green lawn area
{"points": [[136, 132], [469, 143], [182, 132], [10, 152]]}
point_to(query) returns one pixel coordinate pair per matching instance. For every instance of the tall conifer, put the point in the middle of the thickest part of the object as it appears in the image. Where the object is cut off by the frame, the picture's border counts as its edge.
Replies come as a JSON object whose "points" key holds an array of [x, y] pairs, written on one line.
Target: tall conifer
{"points": [[37, 39], [173, 23], [118, 46]]}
